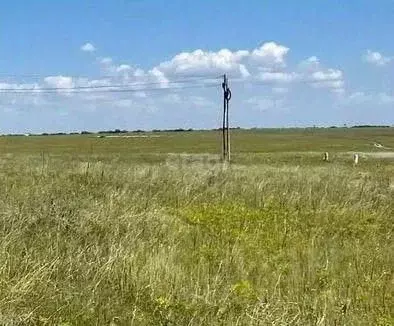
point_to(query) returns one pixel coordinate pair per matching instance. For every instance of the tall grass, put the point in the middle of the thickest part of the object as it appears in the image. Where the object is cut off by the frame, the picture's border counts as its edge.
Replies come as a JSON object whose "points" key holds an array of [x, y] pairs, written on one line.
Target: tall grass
{"points": [[190, 242]]}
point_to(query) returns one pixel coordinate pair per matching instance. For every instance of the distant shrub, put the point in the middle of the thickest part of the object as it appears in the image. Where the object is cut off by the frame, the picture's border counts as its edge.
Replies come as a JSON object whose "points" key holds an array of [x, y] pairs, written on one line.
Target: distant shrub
{"points": [[370, 126]]}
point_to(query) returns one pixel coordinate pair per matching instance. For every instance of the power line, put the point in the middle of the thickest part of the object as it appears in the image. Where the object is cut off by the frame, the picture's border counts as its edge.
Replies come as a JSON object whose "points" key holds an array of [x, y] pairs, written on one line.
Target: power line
{"points": [[100, 90], [112, 88], [180, 83], [97, 77]]}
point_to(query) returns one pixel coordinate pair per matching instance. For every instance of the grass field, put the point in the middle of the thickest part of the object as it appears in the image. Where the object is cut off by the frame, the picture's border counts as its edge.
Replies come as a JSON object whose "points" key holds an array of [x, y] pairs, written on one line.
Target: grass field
{"points": [[156, 231]]}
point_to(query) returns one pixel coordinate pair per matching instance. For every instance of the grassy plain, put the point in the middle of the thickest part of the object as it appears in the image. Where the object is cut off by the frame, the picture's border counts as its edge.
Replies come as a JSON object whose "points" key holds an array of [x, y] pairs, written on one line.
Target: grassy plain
{"points": [[156, 231]]}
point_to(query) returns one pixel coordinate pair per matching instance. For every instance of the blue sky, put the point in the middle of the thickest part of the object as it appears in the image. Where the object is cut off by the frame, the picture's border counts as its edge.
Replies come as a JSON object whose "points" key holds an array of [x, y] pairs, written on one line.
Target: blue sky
{"points": [[290, 63]]}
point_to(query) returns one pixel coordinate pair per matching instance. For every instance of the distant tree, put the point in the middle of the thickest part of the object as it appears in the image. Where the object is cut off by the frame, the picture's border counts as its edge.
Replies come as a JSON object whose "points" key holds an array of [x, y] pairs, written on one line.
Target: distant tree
{"points": [[370, 126]]}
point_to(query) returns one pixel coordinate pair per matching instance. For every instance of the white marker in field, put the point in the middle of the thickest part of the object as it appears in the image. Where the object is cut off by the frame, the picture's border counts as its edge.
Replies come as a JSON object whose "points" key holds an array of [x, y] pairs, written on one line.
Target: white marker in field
{"points": [[355, 159], [325, 157]]}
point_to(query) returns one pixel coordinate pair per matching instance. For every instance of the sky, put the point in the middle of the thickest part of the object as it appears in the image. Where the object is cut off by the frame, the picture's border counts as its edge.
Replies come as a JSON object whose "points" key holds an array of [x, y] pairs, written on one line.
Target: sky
{"points": [[98, 65]]}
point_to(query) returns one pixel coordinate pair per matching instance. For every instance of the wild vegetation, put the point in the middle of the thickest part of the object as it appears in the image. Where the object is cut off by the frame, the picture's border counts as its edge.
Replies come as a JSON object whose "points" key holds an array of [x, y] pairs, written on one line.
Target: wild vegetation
{"points": [[156, 231]]}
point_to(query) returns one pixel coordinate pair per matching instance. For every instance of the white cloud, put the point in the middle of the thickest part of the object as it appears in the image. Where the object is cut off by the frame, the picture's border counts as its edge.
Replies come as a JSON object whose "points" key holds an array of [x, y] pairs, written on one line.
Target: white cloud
{"points": [[266, 63], [63, 83], [327, 75], [238, 63], [59, 81], [330, 78], [159, 76], [105, 60], [123, 68], [358, 98], [314, 73], [283, 77], [310, 64], [138, 73], [270, 54], [200, 62], [88, 47], [66, 84], [376, 58], [85, 82], [16, 86], [124, 71], [243, 71]]}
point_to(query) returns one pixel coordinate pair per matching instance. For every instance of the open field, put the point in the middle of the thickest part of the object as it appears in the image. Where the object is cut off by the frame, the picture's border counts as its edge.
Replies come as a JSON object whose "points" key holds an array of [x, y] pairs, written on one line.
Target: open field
{"points": [[156, 231]]}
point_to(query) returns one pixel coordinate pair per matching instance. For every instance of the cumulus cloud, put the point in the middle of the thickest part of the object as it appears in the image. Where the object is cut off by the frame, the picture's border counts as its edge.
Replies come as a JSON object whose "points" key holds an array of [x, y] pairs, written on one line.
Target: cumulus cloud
{"points": [[314, 73], [310, 64], [376, 58], [123, 68], [59, 81], [329, 78], [105, 60], [270, 54], [236, 63], [128, 74], [16, 87], [201, 63], [280, 77], [329, 74], [88, 47], [265, 63], [159, 76]]}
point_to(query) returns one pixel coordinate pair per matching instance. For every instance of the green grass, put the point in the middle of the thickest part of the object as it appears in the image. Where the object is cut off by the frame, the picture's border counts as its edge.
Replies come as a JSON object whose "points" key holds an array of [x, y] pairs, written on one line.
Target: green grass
{"points": [[243, 141], [138, 232]]}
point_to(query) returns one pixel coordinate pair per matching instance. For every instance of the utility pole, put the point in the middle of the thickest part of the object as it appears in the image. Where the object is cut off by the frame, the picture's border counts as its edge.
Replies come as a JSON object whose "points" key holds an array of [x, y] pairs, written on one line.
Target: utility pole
{"points": [[226, 124]]}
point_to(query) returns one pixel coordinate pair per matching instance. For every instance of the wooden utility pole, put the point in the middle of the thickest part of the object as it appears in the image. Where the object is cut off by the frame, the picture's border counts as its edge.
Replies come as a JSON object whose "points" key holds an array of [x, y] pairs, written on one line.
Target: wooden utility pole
{"points": [[226, 124], [224, 86]]}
